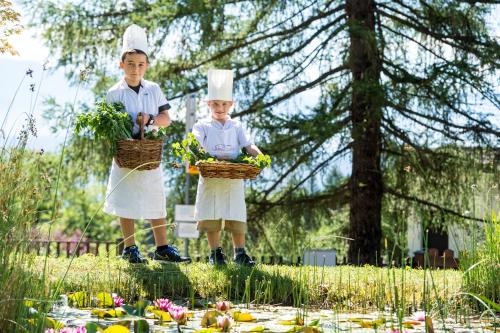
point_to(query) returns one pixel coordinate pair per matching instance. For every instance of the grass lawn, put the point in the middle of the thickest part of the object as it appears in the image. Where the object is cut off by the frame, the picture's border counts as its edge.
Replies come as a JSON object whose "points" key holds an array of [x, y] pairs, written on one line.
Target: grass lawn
{"points": [[343, 288]]}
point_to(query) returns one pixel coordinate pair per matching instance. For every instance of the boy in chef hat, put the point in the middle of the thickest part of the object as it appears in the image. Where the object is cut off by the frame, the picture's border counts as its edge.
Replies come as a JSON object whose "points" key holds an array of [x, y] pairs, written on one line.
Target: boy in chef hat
{"points": [[139, 194], [220, 202]]}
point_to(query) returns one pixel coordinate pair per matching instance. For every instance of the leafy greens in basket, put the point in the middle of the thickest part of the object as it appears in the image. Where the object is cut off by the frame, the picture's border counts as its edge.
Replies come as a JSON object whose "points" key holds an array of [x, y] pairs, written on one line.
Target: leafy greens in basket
{"points": [[190, 150], [109, 123]]}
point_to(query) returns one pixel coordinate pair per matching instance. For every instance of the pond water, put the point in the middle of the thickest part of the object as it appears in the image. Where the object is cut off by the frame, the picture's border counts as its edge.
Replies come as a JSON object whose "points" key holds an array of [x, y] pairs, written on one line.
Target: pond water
{"points": [[282, 319]]}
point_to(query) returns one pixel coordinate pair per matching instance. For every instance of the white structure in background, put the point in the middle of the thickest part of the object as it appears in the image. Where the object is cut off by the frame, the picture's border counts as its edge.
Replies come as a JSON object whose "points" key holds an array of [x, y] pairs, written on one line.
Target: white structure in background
{"points": [[185, 222], [460, 237], [320, 257]]}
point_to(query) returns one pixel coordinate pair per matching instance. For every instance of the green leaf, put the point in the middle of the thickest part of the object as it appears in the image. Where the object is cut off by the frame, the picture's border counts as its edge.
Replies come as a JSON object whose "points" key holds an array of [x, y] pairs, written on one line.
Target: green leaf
{"points": [[141, 326], [92, 327]]}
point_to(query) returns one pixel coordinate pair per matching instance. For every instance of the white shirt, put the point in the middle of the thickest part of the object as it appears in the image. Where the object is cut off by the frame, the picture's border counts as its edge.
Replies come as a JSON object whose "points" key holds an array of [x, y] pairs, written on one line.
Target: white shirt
{"points": [[148, 100], [206, 130]]}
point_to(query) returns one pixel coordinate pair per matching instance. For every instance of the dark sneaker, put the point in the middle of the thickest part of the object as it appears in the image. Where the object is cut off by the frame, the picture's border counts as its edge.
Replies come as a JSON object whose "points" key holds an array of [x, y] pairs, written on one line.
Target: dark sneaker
{"points": [[169, 253], [133, 255], [217, 257], [244, 259]]}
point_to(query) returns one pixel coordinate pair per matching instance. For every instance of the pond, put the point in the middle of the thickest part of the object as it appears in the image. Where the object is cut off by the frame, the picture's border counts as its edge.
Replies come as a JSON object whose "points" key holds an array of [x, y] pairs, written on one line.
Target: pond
{"points": [[265, 319]]}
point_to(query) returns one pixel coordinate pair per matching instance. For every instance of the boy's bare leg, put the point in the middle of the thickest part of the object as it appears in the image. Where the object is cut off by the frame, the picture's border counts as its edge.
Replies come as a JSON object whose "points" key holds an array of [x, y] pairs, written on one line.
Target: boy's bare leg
{"points": [[159, 231], [238, 240], [127, 226], [213, 239]]}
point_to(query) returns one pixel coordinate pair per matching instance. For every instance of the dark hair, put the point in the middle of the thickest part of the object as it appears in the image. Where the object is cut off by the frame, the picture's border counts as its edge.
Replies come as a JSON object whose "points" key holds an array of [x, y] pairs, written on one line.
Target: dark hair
{"points": [[134, 51]]}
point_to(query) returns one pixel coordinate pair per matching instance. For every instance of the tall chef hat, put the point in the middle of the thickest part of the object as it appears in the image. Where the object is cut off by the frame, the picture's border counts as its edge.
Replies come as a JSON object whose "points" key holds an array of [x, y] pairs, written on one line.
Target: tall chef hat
{"points": [[135, 38], [220, 84]]}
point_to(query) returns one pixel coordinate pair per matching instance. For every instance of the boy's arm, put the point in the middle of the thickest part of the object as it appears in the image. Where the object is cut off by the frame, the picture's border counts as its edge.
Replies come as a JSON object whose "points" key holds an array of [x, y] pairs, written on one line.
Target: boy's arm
{"points": [[163, 119], [253, 150]]}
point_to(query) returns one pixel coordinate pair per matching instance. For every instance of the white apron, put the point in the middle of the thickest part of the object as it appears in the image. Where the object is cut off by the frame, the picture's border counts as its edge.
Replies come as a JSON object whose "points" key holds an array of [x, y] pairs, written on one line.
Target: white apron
{"points": [[136, 194], [221, 198]]}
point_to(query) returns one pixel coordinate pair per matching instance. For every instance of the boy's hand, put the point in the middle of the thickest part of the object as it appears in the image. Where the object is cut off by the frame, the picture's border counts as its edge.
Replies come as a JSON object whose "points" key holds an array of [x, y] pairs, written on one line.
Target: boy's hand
{"points": [[144, 117]]}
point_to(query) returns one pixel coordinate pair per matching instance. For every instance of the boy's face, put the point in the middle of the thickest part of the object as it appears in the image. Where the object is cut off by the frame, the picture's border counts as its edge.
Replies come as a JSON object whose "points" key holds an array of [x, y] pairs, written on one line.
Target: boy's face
{"points": [[220, 109], [134, 66]]}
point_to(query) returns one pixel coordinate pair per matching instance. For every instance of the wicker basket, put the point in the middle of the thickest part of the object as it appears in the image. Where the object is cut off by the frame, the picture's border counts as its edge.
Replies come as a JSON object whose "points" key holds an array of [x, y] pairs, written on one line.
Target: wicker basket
{"points": [[230, 170], [141, 154]]}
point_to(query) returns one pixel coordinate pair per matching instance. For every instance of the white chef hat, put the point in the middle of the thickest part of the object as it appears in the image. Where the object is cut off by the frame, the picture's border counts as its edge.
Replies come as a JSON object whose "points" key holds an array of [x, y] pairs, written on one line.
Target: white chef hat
{"points": [[135, 38], [220, 84]]}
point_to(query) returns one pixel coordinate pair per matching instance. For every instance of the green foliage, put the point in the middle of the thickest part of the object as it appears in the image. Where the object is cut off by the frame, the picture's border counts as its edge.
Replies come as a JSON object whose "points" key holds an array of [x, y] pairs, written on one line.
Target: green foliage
{"points": [[190, 150], [481, 263], [108, 123], [157, 134]]}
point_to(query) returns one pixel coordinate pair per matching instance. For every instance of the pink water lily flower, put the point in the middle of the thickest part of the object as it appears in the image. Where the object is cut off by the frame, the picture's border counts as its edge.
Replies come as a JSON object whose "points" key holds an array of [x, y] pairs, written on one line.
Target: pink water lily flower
{"points": [[163, 304], [419, 316], [223, 306], [178, 313], [118, 301], [225, 322], [80, 329]]}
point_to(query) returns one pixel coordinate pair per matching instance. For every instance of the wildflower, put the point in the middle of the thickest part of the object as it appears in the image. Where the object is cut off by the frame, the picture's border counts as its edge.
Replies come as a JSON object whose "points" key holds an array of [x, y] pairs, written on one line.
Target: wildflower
{"points": [[407, 168], [118, 301], [224, 322], [419, 316], [178, 313], [163, 304], [80, 329], [222, 306]]}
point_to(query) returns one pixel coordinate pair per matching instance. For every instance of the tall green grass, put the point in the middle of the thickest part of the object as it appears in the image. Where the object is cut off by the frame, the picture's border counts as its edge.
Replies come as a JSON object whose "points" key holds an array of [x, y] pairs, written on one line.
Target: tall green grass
{"points": [[481, 265], [22, 188]]}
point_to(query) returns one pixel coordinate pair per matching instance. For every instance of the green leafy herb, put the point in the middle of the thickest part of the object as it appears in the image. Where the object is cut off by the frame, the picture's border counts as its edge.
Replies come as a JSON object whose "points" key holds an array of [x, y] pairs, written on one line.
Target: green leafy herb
{"points": [[157, 134], [109, 123], [190, 150]]}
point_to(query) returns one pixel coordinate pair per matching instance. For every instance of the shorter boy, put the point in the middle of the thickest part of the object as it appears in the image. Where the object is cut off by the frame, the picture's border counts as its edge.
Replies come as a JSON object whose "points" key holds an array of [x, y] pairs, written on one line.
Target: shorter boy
{"points": [[220, 202]]}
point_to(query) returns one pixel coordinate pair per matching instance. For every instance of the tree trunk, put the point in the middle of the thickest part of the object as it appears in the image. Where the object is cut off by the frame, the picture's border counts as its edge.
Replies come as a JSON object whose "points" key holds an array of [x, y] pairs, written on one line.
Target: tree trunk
{"points": [[366, 110]]}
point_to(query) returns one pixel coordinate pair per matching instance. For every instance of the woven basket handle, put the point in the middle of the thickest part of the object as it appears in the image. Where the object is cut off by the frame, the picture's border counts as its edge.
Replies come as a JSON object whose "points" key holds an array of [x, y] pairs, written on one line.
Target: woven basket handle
{"points": [[141, 125]]}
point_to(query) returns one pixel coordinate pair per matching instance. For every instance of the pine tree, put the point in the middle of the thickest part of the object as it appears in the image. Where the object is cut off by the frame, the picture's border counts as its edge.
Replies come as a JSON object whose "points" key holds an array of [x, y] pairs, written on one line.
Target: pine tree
{"points": [[317, 81]]}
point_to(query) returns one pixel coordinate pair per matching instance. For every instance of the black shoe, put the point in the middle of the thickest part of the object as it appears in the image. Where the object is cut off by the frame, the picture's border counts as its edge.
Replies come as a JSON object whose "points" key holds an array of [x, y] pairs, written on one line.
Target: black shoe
{"points": [[133, 255], [243, 259], [217, 257], [169, 253]]}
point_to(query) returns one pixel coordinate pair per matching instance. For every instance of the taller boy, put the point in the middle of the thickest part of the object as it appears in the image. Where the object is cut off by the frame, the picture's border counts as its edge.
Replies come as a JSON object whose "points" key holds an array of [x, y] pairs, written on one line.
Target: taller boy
{"points": [[139, 194], [220, 203]]}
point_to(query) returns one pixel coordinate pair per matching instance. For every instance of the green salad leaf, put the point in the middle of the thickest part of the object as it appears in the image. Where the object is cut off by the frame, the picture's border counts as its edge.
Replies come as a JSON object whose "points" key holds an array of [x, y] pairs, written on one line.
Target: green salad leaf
{"points": [[109, 122], [191, 150]]}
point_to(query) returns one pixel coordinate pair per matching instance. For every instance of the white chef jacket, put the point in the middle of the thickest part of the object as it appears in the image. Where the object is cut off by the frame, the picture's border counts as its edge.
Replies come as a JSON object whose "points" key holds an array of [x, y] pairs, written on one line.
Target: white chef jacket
{"points": [[136, 194], [221, 198]]}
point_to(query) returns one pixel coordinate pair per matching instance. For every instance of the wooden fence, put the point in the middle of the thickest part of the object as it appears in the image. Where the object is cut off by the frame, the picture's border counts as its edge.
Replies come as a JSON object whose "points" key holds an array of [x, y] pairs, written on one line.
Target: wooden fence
{"points": [[60, 248]]}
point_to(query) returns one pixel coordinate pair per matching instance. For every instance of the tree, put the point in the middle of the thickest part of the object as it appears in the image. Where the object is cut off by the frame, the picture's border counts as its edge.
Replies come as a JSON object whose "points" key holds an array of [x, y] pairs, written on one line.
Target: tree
{"points": [[9, 25], [316, 81]]}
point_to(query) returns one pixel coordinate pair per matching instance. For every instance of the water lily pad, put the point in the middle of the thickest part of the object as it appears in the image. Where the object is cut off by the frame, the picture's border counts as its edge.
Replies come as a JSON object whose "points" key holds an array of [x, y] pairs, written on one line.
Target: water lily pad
{"points": [[162, 315], [113, 313], [92, 327], [210, 318], [116, 329], [243, 316], [104, 300]]}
